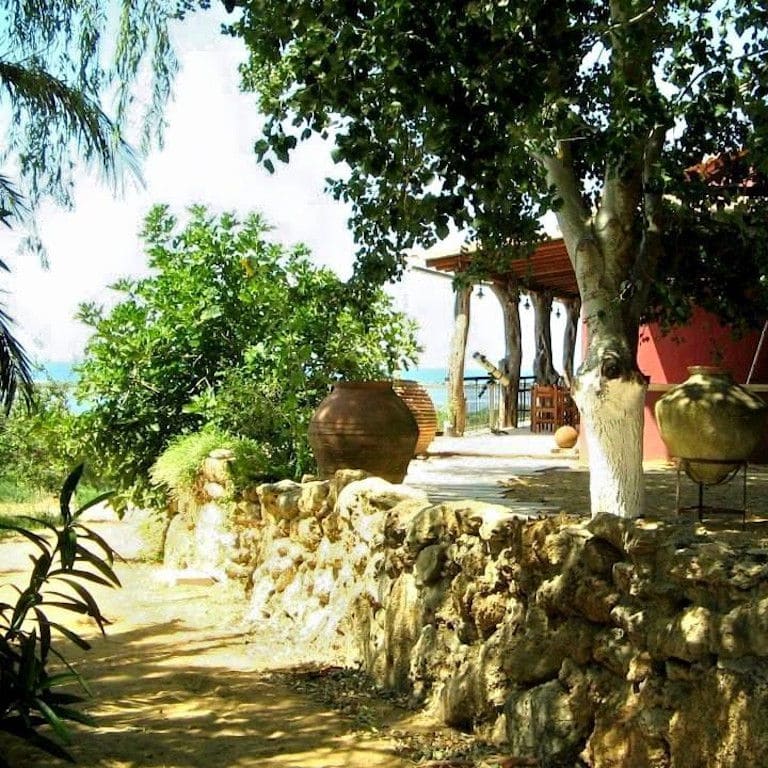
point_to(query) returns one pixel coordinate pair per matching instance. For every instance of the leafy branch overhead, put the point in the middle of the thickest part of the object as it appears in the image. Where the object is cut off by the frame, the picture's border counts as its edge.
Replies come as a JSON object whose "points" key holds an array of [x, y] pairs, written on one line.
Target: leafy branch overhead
{"points": [[483, 116]]}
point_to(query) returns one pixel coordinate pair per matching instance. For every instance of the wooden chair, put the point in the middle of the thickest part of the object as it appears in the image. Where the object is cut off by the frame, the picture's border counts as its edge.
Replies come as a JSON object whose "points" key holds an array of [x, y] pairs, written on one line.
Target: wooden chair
{"points": [[545, 408], [570, 411], [552, 407]]}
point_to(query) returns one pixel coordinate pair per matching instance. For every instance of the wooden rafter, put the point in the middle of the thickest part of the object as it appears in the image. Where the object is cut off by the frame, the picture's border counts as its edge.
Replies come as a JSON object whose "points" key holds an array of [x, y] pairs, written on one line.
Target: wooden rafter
{"points": [[547, 269]]}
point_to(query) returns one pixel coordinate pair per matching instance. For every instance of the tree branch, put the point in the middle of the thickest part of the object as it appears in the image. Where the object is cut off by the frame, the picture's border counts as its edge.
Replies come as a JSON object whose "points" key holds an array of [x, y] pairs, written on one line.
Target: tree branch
{"points": [[651, 244], [572, 214]]}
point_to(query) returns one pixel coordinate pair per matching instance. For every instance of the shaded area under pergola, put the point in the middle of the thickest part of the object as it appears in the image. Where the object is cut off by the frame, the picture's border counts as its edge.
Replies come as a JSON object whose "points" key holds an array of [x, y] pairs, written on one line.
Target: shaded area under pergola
{"points": [[544, 276]]}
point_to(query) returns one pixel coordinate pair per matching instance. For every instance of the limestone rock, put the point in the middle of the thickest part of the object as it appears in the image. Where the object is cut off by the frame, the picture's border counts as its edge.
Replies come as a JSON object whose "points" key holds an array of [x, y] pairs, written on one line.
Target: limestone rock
{"points": [[547, 722], [429, 564], [214, 491], [313, 496], [432, 525], [215, 466]]}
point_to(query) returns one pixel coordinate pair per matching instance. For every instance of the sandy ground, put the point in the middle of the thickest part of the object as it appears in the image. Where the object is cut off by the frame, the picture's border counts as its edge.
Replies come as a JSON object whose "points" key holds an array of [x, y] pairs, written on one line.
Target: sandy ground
{"points": [[181, 681], [529, 475]]}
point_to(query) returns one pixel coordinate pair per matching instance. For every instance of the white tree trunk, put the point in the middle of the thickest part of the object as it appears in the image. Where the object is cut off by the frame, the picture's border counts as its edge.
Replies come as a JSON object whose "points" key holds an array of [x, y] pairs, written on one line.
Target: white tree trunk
{"points": [[612, 424]]}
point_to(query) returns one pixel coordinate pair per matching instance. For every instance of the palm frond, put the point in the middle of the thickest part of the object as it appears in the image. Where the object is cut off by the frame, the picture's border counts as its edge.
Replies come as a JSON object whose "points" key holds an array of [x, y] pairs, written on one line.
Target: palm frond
{"points": [[12, 204], [80, 117], [15, 366]]}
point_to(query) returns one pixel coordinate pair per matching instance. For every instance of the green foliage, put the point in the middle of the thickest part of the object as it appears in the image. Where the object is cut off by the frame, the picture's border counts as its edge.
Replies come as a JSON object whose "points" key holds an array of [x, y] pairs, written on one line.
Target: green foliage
{"points": [[482, 116], [176, 469], [38, 444], [717, 261], [69, 556], [230, 329]]}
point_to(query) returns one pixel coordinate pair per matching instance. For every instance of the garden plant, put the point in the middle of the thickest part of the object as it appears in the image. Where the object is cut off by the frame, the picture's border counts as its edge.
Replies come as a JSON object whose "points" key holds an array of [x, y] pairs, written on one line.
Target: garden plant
{"points": [[35, 677]]}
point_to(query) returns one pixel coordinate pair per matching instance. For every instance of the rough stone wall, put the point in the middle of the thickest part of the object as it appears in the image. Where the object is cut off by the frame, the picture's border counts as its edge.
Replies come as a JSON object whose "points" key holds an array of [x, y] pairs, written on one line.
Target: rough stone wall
{"points": [[609, 643]]}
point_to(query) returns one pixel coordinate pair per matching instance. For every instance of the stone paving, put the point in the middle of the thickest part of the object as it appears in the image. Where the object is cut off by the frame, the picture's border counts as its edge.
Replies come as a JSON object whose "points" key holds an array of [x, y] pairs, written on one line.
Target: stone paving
{"points": [[476, 466]]}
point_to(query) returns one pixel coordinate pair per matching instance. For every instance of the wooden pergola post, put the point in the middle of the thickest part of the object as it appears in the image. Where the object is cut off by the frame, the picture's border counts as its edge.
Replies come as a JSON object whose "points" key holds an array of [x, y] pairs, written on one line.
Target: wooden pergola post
{"points": [[543, 367], [508, 295], [457, 404], [572, 319]]}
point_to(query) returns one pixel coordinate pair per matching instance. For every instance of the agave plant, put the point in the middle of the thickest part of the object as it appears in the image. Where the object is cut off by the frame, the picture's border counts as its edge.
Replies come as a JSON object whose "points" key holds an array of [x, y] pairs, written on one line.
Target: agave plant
{"points": [[68, 556]]}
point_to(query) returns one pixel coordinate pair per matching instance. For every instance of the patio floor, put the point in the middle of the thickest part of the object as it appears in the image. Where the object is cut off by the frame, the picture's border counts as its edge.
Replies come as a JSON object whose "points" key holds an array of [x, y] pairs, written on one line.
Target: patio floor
{"points": [[478, 465]]}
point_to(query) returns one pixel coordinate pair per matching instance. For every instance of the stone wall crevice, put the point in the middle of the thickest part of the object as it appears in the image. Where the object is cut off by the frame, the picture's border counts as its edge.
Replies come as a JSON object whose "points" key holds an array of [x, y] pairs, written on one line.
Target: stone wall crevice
{"points": [[608, 642]]}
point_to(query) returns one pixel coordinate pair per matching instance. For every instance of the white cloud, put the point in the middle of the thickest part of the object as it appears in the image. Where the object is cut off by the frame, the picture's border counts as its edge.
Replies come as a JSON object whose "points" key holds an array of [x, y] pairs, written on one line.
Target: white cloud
{"points": [[208, 158]]}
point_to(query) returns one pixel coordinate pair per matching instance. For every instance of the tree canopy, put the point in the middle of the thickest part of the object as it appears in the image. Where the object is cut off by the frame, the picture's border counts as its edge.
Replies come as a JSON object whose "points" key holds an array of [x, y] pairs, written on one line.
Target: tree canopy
{"points": [[460, 116], [73, 75], [484, 115], [230, 330]]}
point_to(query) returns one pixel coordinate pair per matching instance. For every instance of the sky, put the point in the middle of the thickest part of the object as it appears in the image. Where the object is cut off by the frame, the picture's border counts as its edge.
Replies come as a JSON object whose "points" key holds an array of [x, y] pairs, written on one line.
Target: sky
{"points": [[208, 158]]}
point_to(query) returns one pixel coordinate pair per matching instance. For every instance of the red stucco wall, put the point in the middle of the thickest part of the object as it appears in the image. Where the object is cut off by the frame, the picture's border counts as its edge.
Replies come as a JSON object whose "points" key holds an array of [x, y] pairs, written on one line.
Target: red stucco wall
{"points": [[705, 341]]}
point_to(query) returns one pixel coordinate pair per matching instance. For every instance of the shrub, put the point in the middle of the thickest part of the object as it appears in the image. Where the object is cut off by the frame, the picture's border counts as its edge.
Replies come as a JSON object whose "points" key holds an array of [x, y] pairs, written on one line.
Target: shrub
{"points": [[230, 330], [29, 693], [176, 469]]}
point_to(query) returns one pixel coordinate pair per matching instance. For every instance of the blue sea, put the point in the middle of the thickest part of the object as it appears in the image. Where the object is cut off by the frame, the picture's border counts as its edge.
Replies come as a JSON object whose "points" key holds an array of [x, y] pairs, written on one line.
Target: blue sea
{"points": [[433, 379], [56, 371]]}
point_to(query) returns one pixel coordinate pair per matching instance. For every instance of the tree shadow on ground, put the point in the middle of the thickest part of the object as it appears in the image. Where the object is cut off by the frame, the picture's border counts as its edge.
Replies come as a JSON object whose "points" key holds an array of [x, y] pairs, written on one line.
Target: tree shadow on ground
{"points": [[192, 692], [567, 490]]}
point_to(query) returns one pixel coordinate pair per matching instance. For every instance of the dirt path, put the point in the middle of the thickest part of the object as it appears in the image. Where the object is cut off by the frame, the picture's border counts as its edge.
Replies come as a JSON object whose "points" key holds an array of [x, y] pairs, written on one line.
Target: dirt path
{"points": [[181, 681]]}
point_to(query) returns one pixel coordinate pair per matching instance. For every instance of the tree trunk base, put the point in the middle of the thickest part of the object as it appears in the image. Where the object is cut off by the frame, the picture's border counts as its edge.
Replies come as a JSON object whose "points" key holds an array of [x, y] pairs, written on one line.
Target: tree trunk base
{"points": [[612, 425]]}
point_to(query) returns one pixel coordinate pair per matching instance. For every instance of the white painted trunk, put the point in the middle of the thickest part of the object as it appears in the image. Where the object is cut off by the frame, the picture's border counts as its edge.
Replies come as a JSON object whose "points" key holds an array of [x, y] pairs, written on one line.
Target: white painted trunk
{"points": [[612, 424]]}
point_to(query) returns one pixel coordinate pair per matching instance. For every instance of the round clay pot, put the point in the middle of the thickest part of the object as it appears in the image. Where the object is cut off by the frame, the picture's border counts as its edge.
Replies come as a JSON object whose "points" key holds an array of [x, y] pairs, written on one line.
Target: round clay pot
{"points": [[710, 417], [363, 425], [566, 437], [416, 397]]}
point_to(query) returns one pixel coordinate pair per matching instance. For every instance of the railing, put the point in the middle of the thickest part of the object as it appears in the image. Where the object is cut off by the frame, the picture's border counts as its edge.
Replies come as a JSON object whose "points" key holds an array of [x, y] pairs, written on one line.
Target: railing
{"points": [[483, 397]]}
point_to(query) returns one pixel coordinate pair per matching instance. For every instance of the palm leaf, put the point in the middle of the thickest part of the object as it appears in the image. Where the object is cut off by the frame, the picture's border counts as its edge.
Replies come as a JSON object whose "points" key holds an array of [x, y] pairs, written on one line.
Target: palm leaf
{"points": [[110, 554], [15, 366], [87, 575], [33, 537], [94, 501], [45, 634], [12, 204], [76, 715], [59, 728], [81, 117], [87, 598], [67, 490], [70, 635], [82, 682], [97, 563]]}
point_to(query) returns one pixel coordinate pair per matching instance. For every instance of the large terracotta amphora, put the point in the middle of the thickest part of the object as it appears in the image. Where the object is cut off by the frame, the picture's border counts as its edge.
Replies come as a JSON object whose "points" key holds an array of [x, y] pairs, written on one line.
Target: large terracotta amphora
{"points": [[711, 418], [417, 398], [363, 425]]}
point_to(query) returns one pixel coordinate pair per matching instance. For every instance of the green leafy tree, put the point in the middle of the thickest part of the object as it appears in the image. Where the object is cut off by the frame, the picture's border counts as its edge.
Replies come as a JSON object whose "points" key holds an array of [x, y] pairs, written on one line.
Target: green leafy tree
{"points": [[230, 329], [69, 71], [714, 260], [38, 445], [483, 116]]}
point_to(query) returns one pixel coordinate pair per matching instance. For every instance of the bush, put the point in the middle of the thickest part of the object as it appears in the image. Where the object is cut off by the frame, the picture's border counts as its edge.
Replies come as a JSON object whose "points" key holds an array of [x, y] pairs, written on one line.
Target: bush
{"points": [[176, 469], [38, 445], [30, 694], [233, 331]]}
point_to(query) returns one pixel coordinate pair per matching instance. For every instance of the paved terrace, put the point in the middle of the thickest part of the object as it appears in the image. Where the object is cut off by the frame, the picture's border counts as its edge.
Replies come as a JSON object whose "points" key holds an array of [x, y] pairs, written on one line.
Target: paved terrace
{"points": [[476, 466]]}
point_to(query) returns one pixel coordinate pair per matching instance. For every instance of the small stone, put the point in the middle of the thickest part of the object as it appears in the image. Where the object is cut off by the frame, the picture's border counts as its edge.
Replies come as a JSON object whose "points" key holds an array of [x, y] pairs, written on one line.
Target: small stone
{"points": [[222, 453]]}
